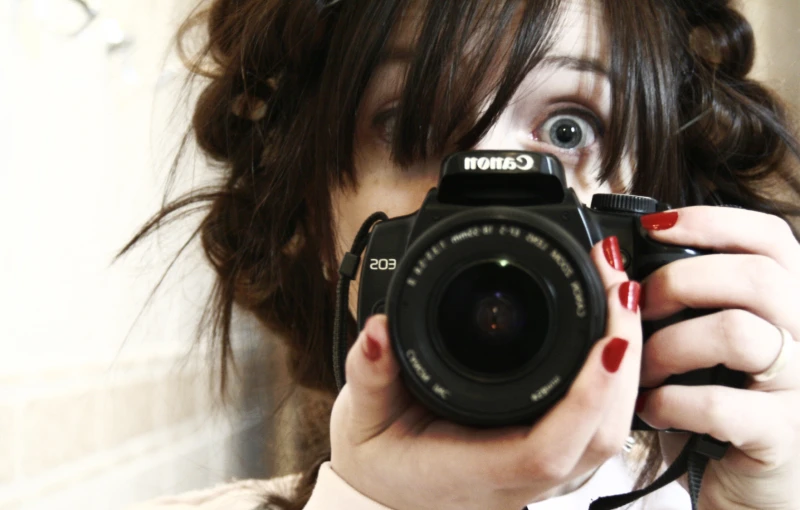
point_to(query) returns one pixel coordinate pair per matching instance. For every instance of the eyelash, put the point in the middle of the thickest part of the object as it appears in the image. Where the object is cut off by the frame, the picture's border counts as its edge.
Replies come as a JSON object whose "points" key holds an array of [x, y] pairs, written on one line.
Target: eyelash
{"points": [[380, 119]]}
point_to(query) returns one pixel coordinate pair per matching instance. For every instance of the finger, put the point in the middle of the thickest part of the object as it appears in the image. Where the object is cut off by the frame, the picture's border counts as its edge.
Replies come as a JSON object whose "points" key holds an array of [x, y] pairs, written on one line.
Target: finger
{"points": [[545, 452], [622, 295], [373, 383], [736, 338], [751, 282], [556, 444], [607, 258], [614, 428], [762, 433], [597, 409], [728, 229]]}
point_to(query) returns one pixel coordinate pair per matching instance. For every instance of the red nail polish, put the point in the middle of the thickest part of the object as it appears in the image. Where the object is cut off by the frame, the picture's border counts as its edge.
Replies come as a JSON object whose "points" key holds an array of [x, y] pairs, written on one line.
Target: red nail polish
{"points": [[641, 401], [629, 295], [612, 253], [372, 349], [613, 354], [660, 221], [642, 293]]}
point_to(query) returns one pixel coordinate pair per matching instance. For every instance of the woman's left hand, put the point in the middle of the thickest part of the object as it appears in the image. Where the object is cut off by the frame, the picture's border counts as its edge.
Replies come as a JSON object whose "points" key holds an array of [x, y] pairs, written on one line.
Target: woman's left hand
{"points": [[755, 279]]}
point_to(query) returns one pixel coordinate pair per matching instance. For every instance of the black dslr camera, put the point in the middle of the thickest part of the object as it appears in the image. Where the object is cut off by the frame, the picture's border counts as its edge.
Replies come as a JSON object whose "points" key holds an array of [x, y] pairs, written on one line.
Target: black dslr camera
{"points": [[492, 300]]}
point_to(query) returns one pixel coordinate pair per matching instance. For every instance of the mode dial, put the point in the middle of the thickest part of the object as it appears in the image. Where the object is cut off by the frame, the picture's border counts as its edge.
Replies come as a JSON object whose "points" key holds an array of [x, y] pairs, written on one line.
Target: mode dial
{"points": [[608, 202]]}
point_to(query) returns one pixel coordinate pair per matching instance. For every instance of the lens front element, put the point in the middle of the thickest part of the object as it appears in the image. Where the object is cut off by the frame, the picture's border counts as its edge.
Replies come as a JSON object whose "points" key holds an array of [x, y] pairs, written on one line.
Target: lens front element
{"points": [[493, 318]]}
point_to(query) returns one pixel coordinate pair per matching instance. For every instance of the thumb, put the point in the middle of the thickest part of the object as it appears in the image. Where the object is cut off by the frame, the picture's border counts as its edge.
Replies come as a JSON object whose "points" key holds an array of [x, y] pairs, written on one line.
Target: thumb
{"points": [[376, 391]]}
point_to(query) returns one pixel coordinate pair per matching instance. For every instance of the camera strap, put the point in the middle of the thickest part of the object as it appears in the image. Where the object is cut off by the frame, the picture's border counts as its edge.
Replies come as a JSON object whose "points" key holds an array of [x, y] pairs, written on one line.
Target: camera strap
{"points": [[692, 460], [347, 273]]}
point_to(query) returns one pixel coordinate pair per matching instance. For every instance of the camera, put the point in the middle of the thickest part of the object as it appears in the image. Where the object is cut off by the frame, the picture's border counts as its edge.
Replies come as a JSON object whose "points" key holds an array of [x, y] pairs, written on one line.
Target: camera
{"points": [[492, 300]]}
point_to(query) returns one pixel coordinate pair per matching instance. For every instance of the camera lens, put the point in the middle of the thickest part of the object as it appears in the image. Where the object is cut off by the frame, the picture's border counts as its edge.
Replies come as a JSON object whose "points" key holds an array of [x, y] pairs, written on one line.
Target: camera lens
{"points": [[493, 318], [498, 316]]}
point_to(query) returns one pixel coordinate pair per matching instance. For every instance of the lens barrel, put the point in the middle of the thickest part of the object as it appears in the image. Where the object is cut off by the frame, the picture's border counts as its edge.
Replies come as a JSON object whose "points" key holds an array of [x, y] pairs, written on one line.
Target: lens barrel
{"points": [[492, 313]]}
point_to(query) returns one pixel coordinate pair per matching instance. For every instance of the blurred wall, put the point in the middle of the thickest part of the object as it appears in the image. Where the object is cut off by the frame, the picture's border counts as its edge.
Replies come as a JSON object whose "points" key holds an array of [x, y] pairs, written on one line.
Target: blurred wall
{"points": [[97, 408], [777, 27]]}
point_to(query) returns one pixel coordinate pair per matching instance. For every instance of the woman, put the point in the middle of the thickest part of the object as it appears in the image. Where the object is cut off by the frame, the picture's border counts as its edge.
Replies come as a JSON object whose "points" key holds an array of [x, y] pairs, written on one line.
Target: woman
{"points": [[322, 113]]}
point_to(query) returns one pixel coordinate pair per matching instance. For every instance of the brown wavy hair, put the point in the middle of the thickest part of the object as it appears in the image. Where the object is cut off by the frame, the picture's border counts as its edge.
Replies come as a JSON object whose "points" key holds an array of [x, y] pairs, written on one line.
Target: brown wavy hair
{"points": [[282, 81]]}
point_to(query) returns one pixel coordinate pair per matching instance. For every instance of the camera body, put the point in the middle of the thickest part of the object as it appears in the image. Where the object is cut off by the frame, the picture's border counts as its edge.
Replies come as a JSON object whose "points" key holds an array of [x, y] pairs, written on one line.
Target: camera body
{"points": [[492, 299]]}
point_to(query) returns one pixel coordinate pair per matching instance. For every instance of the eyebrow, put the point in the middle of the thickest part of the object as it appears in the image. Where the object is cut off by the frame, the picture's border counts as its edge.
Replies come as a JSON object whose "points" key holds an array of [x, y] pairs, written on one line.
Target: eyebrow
{"points": [[576, 63], [580, 64]]}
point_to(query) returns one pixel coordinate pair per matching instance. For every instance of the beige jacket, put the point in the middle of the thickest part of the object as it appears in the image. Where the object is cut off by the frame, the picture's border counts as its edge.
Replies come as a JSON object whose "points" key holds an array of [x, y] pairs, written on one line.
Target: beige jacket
{"points": [[250, 494], [333, 493]]}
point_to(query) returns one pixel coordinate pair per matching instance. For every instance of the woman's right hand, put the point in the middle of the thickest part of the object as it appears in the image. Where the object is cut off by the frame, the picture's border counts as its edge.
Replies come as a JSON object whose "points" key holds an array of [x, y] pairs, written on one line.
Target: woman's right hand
{"points": [[392, 450]]}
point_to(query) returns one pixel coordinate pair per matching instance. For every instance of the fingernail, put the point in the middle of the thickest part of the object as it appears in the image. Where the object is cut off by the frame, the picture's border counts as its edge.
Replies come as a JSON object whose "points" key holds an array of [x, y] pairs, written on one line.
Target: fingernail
{"points": [[629, 295], [660, 221], [612, 253], [641, 401], [613, 354], [371, 348]]}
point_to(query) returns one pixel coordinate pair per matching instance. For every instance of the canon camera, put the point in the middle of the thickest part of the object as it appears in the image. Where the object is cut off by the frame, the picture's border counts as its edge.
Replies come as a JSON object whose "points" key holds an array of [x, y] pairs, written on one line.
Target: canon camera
{"points": [[492, 300]]}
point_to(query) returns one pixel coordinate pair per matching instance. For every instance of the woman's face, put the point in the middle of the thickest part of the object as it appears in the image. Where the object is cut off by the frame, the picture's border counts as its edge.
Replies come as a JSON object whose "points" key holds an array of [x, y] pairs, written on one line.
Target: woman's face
{"points": [[562, 107]]}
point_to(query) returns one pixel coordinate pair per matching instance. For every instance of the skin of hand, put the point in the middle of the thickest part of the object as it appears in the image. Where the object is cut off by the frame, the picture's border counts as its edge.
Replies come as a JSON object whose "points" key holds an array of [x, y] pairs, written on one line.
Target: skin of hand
{"points": [[389, 448], [755, 279]]}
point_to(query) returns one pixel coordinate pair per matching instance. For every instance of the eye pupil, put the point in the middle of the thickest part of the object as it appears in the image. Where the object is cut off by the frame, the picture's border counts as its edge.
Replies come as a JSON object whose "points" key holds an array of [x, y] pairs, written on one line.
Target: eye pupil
{"points": [[566, 133]]}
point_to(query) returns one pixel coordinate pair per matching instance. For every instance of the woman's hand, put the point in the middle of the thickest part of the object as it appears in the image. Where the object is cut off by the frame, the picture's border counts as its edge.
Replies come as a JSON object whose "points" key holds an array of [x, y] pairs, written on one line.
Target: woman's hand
{"points": [[757, 282], [392, 450]]}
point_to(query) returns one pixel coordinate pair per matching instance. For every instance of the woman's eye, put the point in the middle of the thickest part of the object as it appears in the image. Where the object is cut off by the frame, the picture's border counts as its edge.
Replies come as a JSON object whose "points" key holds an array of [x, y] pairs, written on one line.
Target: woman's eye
{"points": [[568, 131], [384, 124]]}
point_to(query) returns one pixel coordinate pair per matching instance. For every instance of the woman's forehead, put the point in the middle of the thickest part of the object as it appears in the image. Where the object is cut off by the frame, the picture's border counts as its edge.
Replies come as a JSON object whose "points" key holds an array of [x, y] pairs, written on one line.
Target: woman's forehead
{"points": [[582, 32]]}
